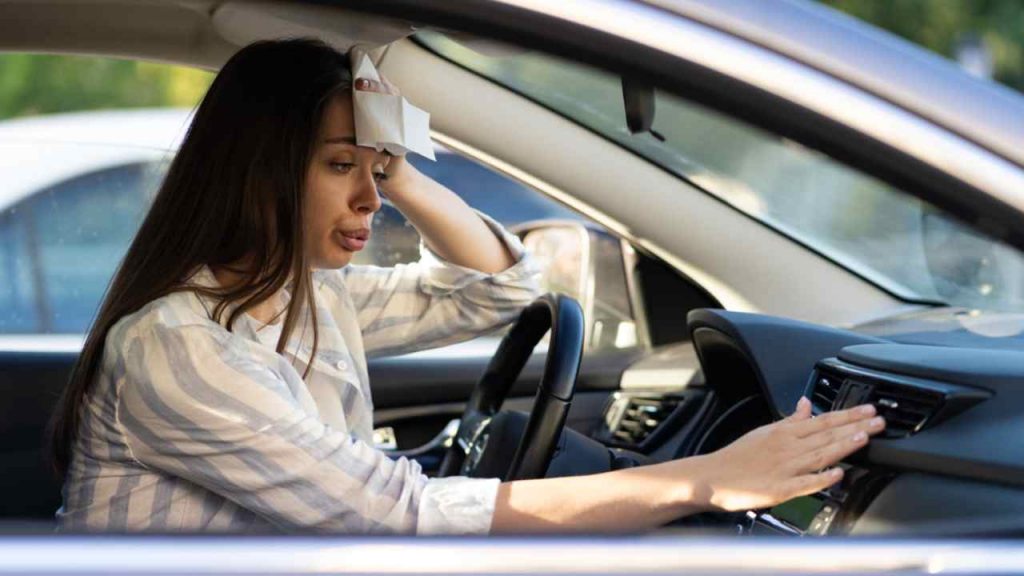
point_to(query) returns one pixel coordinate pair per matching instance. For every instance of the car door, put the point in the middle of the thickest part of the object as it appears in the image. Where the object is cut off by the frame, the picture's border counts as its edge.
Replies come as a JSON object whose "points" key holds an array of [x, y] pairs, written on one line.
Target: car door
{"points": [[60, 245]]}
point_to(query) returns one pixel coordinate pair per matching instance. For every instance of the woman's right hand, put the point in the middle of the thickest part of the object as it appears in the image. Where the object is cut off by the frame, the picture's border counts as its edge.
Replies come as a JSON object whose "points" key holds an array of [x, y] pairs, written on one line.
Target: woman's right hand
{"points": [[783, 460], [767, 466]]}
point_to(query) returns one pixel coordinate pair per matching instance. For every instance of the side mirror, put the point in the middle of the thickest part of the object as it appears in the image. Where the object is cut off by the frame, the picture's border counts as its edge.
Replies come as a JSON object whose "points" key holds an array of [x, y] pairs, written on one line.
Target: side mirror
{"points": [[597, 269], [563, 253]]}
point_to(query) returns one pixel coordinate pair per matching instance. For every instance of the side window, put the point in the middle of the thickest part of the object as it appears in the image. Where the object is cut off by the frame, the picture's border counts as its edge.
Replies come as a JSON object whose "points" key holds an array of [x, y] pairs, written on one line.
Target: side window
{"points": [[613, 326], [84, 142], [18, 303], [63, 242], [501, 198]]}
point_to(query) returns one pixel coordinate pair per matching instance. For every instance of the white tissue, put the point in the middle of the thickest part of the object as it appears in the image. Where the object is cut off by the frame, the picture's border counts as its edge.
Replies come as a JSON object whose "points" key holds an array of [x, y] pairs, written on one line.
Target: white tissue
{"points": [[385, 121]]}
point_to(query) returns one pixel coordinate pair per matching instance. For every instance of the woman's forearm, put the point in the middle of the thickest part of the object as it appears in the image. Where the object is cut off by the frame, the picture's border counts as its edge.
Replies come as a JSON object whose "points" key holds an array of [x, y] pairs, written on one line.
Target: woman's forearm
{"points": [[630, 500], [447, 224], [766, 466]]}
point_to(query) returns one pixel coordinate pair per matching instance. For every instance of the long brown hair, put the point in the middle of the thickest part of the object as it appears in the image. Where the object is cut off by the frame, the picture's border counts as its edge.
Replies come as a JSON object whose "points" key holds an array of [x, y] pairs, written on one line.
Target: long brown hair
{"points": [[234, 191]]}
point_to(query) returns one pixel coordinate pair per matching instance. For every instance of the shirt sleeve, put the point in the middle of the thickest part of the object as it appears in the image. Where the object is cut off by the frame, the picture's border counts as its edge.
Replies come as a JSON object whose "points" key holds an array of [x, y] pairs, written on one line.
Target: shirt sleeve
{"points": [[434, 302], [197, 405]]}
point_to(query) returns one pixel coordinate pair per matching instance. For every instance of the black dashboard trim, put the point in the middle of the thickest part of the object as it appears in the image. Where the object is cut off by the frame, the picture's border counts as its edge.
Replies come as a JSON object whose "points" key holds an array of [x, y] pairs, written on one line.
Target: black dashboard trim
{"points": [[982, 443], [781, 353]]}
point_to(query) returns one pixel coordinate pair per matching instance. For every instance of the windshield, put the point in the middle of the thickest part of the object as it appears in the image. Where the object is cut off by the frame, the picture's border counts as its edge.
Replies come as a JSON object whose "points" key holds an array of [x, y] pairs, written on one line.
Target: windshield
{"points": [[904, 245]]}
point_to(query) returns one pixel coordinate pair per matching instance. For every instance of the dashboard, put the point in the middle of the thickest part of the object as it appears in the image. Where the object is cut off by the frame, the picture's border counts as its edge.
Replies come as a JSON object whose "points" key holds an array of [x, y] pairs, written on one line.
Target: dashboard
{"points": [[951, 460]]}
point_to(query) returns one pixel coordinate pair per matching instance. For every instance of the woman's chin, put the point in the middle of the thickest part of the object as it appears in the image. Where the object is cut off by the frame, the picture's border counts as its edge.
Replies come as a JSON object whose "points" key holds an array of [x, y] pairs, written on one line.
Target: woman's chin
{"points": [[337, 257]]}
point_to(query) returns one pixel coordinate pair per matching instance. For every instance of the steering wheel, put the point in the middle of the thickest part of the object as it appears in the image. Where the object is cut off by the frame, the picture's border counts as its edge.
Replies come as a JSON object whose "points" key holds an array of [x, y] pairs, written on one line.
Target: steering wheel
{"points": [[487, 435]]}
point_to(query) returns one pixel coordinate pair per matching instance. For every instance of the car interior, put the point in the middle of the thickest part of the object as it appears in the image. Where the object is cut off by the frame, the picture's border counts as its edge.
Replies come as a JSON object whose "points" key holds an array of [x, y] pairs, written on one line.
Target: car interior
{"points": [[697, 309]]}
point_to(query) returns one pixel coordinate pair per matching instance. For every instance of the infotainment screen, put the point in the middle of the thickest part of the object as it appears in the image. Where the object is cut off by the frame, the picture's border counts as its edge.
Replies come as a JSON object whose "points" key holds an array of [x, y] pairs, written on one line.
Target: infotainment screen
{"points": [[799, 512]]}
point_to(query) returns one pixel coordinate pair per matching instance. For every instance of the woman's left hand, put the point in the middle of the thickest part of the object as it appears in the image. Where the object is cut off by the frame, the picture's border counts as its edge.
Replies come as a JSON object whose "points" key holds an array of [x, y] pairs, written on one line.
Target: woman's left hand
{"points": [[382, 86]]}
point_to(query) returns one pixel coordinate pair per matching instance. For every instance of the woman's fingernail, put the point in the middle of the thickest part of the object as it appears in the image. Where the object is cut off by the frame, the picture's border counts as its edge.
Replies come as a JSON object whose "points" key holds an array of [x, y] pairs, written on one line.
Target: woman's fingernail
{"points": [[867, 409], [860, 437], [802, 402], [877, 422], [835, 472]]}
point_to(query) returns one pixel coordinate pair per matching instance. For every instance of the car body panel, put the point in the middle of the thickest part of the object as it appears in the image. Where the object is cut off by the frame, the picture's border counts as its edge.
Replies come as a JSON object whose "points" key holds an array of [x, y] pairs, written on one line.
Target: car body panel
{"points": [[876, 61], [553, 555]]}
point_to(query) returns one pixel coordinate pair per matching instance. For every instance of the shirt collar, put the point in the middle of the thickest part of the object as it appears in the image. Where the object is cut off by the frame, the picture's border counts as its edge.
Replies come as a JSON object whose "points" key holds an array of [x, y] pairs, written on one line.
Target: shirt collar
{"points": [[301, 341]]}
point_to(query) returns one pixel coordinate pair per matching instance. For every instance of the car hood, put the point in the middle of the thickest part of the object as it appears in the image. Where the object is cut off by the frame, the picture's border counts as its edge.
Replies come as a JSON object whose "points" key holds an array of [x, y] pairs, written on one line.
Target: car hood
{"points": [[950, 326]]}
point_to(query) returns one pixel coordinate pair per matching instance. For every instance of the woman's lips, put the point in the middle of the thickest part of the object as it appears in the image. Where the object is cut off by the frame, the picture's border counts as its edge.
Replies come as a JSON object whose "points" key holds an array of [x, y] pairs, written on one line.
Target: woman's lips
{"points": [[354, 240]]}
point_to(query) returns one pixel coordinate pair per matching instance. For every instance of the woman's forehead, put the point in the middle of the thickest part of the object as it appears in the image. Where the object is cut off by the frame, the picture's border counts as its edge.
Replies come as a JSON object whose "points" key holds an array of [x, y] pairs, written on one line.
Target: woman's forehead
{"points": [[337, 119], [338, 124]]}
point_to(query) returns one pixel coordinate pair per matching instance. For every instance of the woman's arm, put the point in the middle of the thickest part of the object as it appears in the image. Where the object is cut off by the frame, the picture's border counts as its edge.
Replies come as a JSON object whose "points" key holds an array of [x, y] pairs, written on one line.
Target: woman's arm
{"points": [[622, 501], [479, 280], [432, 302], [767, 466], [447, 224]]}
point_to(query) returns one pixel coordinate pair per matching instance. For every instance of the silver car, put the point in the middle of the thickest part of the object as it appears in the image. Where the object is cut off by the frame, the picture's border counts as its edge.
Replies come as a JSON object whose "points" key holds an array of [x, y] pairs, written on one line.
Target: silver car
{"points": [[769, 200]]}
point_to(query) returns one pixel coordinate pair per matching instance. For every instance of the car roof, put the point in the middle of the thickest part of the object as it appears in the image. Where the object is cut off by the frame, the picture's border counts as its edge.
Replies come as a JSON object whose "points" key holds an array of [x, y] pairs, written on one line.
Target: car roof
{"points": [[159, 128], [903, 73], [42, 151]]}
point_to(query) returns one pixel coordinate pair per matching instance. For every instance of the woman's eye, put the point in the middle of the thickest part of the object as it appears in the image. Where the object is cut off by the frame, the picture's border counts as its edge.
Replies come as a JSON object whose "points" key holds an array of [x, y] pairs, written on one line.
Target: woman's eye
{"points": [[380, 176], [342, 167]]}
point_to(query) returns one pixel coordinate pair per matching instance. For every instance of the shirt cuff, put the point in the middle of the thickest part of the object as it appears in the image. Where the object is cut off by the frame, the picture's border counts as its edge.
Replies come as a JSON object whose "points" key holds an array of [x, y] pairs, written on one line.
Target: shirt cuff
{"points": [[457, 505]]}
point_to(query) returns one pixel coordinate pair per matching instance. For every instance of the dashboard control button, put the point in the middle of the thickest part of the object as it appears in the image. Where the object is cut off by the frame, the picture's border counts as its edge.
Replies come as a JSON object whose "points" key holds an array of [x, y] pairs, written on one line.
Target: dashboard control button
{"points": [[823, 519]]}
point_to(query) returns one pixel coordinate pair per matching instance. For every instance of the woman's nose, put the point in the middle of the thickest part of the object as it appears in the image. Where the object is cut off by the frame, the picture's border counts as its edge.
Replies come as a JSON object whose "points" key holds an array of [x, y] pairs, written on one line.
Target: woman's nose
{"points": [[367, 199]]}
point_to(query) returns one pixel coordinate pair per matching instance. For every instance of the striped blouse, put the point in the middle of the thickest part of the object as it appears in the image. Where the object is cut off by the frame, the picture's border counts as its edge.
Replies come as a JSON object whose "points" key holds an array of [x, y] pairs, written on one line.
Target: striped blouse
{"points": [[190, 427]]}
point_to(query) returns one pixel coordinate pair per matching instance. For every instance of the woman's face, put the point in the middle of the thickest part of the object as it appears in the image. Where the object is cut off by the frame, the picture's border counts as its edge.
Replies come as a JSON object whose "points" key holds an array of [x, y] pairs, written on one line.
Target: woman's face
{"points": [[341, 189]]}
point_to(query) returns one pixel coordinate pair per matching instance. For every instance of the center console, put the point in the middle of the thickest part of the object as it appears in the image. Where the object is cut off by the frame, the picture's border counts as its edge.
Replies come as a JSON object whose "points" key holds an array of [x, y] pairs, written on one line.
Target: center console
{"points": [[831, 511]]}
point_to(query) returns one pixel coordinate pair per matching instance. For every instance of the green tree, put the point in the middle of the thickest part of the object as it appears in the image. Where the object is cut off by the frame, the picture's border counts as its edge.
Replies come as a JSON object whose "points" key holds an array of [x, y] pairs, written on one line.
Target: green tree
{"points": [[45, 84], [941, 24]]}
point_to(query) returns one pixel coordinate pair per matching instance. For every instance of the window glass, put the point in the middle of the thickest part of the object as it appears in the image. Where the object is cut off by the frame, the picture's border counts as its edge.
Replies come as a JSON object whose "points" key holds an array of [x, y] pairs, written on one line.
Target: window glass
{"points": [[504, 199], [84, 142], [82, 228], [395, 241], [18, 304], [62, 244], [613, 324], [893, 239]]}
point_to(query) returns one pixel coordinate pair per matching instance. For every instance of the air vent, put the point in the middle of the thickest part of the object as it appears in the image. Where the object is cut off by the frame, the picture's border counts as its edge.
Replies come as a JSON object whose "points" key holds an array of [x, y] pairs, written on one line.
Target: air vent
{"points": [[632, 419], [908, 404], [826, 391], [906, 409]]}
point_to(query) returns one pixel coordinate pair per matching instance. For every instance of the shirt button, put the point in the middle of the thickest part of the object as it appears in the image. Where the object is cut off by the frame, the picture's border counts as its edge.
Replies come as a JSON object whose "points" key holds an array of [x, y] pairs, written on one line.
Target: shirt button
{"points": [[342, 365]]}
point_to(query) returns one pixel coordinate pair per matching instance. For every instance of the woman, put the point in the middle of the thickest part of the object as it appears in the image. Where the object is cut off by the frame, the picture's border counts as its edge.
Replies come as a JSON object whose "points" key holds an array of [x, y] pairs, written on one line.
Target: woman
{"points": [[223, 384]]}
